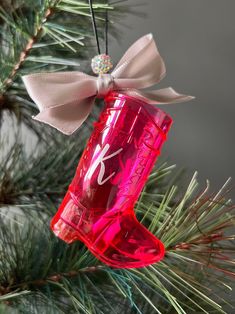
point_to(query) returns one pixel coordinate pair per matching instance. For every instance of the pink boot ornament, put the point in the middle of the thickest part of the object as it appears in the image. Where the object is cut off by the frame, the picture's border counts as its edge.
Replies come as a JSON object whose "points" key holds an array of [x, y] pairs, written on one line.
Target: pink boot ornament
{"points": [[98, 208]]}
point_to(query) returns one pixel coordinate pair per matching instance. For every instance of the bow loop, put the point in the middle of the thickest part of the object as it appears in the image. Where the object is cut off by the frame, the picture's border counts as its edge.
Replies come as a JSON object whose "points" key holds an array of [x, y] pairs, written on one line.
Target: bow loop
{"points": [[65, 99], [50, 90], [141, 64]]}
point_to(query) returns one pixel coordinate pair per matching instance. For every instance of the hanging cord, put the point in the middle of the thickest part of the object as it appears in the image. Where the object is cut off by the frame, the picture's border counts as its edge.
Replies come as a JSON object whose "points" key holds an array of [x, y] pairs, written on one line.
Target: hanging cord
{"points": [[95, 30], [106, 31], [94, 25]]}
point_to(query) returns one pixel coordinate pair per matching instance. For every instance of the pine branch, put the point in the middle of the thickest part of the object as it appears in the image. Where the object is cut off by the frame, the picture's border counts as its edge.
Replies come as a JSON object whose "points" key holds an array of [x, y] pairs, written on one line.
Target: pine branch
{"points": [[41, 36], [22, 181], [197, 267], [42, 27], [23, 55], [56, 277]]}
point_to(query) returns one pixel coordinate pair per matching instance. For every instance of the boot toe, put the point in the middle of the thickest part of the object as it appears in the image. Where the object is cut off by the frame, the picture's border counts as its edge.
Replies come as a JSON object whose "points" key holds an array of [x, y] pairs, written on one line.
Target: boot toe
{"points": [[131, 245]]}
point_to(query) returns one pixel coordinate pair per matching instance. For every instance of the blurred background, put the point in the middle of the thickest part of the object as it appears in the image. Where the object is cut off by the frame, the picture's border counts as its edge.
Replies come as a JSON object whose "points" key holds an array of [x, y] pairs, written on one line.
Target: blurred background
{"points": [[197, 42]]}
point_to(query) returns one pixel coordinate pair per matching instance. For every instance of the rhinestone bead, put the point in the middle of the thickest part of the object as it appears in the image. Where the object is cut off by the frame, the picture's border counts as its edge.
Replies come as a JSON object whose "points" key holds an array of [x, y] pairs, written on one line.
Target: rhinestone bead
{"points": [[101, 64]]}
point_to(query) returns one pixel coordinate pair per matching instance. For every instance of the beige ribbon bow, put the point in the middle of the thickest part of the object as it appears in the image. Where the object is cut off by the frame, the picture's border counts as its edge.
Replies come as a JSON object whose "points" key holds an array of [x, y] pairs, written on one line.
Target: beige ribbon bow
{"points": [[65, 99]]}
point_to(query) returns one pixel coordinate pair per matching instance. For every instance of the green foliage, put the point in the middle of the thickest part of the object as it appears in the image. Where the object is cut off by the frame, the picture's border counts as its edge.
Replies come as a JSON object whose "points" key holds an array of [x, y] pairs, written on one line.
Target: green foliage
{"points": [[35, 180], [42, 35], [41, 274]]}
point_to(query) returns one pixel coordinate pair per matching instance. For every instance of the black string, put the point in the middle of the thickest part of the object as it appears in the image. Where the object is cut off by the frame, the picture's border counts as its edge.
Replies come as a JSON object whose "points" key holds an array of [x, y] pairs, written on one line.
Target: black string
{"points": [[106, 31], [94, 25], [95, 30]]}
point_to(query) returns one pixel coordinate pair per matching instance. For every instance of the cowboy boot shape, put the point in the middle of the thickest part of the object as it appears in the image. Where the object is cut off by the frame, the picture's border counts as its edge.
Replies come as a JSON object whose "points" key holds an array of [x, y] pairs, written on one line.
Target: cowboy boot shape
{"points": [[98, 208]]}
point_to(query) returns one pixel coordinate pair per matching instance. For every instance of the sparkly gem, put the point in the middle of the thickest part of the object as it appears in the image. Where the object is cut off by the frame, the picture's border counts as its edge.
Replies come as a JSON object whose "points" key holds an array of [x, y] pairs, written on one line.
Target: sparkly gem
{"points": [[101, 64]]}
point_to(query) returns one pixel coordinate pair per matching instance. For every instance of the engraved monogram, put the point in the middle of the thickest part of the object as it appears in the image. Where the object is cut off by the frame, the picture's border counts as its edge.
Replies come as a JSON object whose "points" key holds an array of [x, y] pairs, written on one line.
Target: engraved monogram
{"points": [[100, 161]]}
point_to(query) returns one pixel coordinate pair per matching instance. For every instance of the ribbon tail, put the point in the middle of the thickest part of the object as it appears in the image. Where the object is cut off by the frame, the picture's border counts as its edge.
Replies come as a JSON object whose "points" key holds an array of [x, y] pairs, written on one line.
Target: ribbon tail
{"points": [[67, 118], [159, 97]]}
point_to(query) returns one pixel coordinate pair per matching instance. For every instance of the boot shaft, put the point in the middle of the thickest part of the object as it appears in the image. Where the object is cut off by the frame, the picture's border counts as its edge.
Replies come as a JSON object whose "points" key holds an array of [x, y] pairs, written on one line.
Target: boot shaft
{"points": [[120, 153]]}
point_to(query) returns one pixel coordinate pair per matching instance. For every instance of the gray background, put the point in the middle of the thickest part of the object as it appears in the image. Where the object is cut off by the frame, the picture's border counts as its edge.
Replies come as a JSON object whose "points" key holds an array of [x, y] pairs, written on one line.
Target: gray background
{"points": [[197, 41]]}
